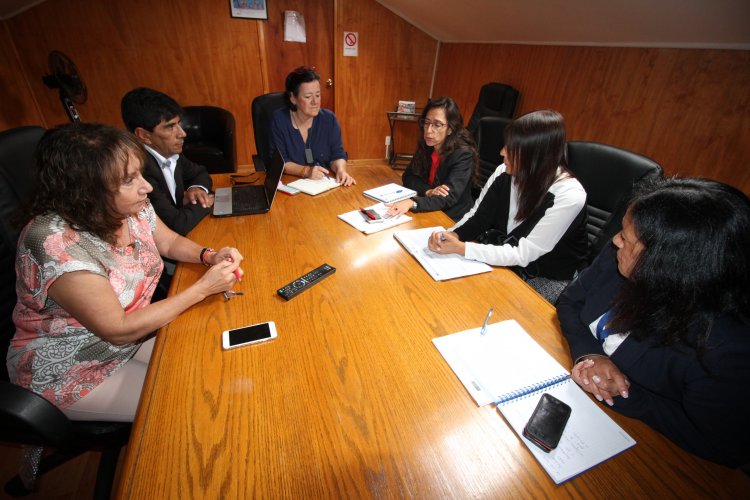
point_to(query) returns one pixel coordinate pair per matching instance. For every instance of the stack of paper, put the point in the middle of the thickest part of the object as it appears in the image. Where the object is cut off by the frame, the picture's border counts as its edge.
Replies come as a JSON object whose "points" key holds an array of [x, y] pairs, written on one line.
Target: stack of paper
{"points": [[440, 267], [356, 219]]}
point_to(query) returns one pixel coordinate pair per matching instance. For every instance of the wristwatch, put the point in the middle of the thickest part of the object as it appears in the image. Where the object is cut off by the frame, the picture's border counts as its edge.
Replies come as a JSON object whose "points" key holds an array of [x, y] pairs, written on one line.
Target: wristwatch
{"points": [[414, 205]]}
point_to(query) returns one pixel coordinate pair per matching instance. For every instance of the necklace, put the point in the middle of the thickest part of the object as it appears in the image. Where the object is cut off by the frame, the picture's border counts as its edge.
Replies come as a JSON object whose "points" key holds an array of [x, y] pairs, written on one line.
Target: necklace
{"points": [[134, 243], [295, 122]]}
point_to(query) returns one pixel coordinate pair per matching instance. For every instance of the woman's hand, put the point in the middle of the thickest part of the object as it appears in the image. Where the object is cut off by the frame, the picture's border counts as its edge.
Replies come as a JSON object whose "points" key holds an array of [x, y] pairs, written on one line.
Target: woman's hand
{"points": [[441, 190], [230, 254], [601, 377], [444, 242], [343, 177], [220, 277], [316, 172], [398, 207]]}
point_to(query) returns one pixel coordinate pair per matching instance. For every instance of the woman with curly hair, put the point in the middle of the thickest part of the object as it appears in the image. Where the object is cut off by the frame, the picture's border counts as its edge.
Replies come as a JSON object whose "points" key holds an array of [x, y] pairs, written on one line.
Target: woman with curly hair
{"points": [[87, 265], [659, 325], [444, 167]]}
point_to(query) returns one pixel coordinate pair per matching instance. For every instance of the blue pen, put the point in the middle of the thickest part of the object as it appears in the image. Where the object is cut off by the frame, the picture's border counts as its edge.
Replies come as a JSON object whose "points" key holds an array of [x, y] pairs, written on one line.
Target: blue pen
{"points": [[486, 320]]}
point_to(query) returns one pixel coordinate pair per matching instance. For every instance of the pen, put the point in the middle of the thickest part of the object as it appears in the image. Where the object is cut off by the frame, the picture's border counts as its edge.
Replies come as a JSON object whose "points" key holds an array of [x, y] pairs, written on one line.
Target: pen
{"points": [[228, 295], [486, 320]]}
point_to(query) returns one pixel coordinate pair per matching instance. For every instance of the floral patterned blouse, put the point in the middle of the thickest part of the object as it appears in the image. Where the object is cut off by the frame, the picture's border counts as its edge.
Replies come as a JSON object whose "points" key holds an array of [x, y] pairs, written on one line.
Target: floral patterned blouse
{"points": [[51, 353]]}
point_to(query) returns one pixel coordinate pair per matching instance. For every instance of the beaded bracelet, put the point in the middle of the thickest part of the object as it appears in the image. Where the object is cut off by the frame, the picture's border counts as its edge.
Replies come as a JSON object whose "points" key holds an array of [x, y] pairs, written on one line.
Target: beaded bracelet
{"points": [[203, 255]]}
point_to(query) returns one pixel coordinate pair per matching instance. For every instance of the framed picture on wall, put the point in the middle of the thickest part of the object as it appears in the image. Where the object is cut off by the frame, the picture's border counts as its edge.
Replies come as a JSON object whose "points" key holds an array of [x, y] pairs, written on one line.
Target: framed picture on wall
{"points": [[249, 9]]}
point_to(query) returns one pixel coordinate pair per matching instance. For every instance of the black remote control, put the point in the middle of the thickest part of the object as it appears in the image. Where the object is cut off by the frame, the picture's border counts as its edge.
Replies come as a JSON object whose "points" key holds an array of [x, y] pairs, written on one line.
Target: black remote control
{"points": [[306, 281]]}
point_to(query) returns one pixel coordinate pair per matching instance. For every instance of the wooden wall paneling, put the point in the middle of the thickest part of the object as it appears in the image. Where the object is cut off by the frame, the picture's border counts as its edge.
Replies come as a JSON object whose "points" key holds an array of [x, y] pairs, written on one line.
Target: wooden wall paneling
{"points": [[687, 109], [192, 50], [19, 106], [283, 56], [395, 62]]}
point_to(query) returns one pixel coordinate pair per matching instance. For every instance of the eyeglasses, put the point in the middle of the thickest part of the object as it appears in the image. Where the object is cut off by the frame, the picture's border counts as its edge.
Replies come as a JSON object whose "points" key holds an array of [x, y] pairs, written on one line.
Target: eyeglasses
{"points": [[436, 126]]}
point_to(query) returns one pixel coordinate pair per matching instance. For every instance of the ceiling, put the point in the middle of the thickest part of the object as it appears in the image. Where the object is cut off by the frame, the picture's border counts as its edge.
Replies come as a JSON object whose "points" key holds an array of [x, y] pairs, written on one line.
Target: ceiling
{"points": [[9, 8], [628, 23]]}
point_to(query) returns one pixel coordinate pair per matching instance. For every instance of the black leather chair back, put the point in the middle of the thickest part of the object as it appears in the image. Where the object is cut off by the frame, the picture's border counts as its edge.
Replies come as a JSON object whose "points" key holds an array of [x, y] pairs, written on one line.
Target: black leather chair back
{"points": [[495, 99], [210, 138], [608, 174], [263, 108], [490, 140], [17, 170]]}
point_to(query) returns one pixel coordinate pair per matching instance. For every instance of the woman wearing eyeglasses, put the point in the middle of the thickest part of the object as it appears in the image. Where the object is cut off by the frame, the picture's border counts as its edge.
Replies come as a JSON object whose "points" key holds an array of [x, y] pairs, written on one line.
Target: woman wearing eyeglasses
{"points": [[308, 136], [530, 215], [444, 165]]}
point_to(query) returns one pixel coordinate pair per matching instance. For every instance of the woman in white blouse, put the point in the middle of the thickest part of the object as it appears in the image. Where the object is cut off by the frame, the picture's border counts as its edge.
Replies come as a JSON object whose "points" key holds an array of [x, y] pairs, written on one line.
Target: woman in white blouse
{"points": [[530, 215]]}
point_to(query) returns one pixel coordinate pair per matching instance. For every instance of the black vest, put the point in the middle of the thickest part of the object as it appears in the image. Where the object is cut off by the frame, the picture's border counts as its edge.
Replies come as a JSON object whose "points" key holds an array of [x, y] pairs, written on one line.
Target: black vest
{"points": [[561, 263]]}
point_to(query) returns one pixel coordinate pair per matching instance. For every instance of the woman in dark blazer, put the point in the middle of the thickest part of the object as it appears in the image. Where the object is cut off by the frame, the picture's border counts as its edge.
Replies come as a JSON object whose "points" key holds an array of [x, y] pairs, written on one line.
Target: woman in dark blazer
{"points": [[660, 325], [444, 167]]}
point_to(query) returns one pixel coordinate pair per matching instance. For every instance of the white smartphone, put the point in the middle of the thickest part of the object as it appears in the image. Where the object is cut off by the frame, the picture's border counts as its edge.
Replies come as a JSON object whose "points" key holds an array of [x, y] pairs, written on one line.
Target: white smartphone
{"points": [[246, 335]]}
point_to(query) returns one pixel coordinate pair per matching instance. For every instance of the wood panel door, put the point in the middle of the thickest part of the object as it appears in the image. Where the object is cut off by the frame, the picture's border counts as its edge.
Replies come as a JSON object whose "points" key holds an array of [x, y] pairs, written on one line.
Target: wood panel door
{"points": [[282, 57]]}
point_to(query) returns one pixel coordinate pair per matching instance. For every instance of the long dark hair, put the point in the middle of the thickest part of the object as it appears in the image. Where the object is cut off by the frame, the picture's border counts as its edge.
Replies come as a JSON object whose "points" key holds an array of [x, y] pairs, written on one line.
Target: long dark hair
{"points": [[535, 145], [80, 167], [458, 138], [695, 264], [301, 75]]}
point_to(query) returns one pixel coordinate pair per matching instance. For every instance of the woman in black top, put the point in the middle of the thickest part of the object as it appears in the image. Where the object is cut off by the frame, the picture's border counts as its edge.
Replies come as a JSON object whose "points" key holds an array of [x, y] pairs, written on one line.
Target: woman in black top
{"points": [[445, 165], [659, 324]]}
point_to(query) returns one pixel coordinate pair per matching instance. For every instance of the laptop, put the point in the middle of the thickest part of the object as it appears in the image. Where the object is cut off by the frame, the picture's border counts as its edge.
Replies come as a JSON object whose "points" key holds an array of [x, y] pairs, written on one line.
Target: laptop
{"points": [[248, 200]]}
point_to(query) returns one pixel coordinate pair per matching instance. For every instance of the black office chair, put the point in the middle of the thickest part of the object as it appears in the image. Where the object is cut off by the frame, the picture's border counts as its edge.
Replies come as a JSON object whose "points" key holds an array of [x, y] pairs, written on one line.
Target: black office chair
{"points": [[16, 171], [210, 138], [263, 108], [490, 140], [25, 417], [608, 174], [495, 99]]}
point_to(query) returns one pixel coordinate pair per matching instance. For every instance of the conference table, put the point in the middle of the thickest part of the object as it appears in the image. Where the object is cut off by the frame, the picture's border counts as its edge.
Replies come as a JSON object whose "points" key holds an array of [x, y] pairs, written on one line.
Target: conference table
{"points": [[352, 400]]}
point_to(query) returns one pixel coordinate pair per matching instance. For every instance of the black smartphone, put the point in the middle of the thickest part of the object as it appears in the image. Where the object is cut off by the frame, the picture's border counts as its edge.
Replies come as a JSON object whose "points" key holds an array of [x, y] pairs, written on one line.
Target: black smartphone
{"points": [[370, 215], [248, 335], [547, 423]]}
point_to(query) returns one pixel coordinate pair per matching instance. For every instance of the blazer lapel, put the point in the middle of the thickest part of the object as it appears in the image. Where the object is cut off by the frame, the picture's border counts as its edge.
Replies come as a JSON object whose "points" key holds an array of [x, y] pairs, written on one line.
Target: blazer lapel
{"points": [[179, 182]]}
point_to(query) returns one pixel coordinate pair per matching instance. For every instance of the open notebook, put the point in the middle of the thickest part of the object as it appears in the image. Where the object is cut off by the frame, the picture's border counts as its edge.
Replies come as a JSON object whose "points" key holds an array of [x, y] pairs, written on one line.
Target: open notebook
{"points": [[507, 367], [314, 186], [439, 266]]}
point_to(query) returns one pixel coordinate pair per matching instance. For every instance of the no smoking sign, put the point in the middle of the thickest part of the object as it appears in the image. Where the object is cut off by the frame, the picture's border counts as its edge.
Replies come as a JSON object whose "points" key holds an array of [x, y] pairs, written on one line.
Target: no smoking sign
{"points": [[351, 43]]}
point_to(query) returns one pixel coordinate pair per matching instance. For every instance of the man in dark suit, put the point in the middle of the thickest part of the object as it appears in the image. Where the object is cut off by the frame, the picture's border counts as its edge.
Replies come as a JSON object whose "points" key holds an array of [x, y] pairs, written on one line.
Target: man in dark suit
{"points": [[182, 189]]}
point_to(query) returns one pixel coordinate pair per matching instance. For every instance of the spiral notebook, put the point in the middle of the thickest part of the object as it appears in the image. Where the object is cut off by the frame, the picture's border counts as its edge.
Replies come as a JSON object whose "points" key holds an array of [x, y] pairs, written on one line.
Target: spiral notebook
{"points": [[389, 193], [508, 368]]}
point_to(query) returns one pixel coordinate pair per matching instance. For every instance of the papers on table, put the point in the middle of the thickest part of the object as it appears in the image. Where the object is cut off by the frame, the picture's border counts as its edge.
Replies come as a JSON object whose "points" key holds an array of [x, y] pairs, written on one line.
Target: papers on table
{"points": [[389, 193], [356, 219], [314, 186], [440, 267], [510, 368]]}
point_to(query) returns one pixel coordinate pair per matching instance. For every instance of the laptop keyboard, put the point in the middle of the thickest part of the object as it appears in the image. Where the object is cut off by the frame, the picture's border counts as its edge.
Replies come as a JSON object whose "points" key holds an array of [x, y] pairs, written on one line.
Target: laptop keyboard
{"points": [[244, 198]]}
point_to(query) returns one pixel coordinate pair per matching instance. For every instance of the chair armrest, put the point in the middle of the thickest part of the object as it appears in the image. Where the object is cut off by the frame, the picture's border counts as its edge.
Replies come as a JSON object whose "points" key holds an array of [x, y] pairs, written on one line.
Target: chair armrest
{"points": [[260, 165], [28, 418]]}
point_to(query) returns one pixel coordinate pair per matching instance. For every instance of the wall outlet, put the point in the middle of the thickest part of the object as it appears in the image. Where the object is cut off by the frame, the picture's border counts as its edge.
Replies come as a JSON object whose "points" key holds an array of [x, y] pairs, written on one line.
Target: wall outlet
{"points": [[387, 140]]}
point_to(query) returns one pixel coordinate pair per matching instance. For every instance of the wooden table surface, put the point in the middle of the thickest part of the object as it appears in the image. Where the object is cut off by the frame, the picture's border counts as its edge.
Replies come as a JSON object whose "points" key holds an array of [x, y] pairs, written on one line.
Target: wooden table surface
{"points": [[352, 399]]}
